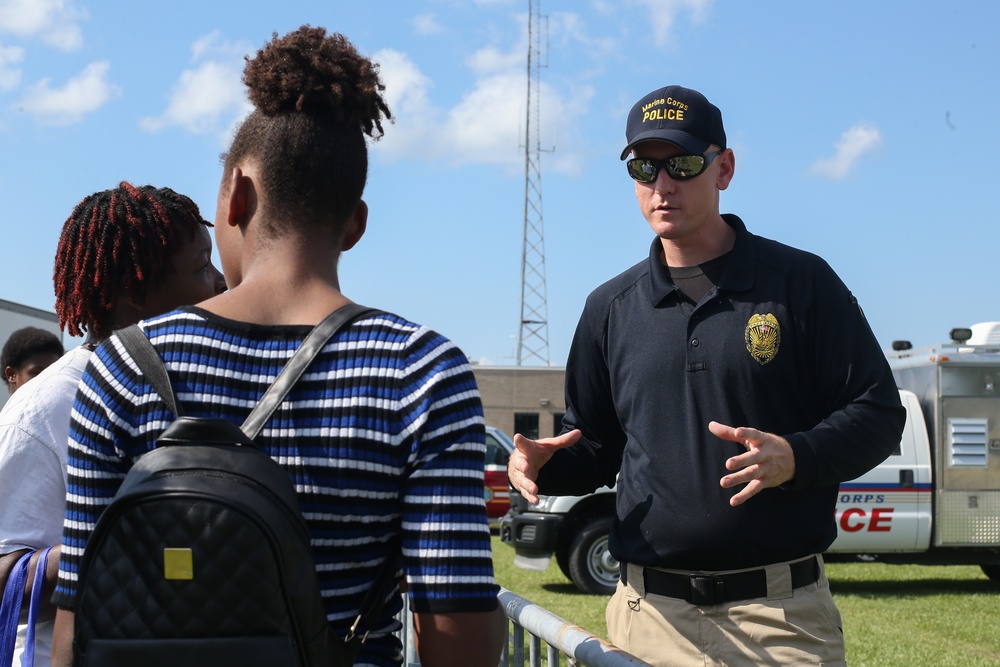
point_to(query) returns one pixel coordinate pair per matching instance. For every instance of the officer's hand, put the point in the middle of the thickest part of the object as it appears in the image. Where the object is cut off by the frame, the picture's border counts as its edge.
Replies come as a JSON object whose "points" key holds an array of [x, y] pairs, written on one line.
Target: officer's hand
{"points": [[769, 461], [529, 456]]}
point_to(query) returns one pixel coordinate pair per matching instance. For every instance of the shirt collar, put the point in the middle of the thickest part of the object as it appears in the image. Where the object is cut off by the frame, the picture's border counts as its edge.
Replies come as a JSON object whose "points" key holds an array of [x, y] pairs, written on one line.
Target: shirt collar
{"points": [[739, 275], [660, 285]]}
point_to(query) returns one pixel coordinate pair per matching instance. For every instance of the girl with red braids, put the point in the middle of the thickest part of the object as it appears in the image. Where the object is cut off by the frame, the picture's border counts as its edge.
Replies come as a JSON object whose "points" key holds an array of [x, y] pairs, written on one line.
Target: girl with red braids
{"points": [[124, 254], [129, 253], [383, 435]]}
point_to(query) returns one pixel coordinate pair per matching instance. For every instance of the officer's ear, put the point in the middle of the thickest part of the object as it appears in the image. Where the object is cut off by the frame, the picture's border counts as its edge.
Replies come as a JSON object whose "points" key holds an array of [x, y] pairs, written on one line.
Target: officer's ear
{"points": [[727, 168]]}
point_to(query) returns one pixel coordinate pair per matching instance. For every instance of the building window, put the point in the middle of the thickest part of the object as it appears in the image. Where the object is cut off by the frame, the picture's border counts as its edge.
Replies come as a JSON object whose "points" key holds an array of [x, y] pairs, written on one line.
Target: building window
{"points": [[557, 423], [526, 423]]}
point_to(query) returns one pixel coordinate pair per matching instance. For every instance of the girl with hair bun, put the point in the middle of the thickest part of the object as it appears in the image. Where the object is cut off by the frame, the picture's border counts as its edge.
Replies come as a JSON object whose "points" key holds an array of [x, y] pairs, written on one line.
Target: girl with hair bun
{"points": [[383, 436]]}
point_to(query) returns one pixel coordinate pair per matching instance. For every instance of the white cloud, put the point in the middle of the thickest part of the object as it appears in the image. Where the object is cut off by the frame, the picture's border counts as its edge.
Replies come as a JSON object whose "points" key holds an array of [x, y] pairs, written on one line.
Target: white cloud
{"points": [[860, 139], [416, 122], [10, 75], [490, 59], [426, 24], [663, 13], [567, 27], [215, 45], [210, 97], [55, 22], [86, 92], [486, 126], [200, 98]]}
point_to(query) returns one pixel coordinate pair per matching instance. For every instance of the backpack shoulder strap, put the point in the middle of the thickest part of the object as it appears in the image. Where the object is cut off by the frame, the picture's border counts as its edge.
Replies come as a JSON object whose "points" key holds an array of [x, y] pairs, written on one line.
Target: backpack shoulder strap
{"points": [[149, 362], [303, 356]]}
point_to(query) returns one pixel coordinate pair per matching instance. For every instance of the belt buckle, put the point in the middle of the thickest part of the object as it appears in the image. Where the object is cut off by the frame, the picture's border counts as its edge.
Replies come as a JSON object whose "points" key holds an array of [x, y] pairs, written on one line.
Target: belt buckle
{"points": [[706, 589]]}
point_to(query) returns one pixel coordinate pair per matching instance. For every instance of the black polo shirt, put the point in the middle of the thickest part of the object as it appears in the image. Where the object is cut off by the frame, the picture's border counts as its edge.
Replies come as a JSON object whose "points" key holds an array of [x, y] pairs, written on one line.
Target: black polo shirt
{"points": [[780, 345]]}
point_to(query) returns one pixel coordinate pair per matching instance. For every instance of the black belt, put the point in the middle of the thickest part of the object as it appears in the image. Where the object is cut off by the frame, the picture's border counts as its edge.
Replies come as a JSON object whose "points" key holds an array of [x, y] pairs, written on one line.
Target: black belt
{"points": [[705, 589]]}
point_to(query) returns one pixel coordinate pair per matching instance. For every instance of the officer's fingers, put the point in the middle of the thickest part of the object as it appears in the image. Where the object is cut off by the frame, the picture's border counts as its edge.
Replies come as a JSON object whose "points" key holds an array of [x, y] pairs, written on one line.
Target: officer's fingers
{"points": [[530, 455], [523, 444], [521, 474], [523, 484], [519, 466], [746, 436], [566, 439], [723, 431], [748, 458], [750, 437], [548, 444], [747, 492], [527, 488], [745, 475], [530, 496]]}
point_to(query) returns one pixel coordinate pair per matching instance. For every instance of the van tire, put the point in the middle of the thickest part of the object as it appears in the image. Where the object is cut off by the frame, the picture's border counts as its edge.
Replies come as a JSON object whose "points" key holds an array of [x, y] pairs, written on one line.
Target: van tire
{"points": [[562, 559], [591, 566]]}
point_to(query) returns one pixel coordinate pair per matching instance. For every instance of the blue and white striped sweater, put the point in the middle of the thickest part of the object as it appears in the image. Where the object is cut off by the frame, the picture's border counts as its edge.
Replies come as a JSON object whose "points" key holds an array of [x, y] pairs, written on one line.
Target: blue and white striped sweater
{"points": [[383, 433]]}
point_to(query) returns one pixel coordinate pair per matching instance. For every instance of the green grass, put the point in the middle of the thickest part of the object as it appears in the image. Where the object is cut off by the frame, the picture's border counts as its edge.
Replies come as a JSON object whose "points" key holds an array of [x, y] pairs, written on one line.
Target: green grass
{"points": [[550, 590], [917, 615], [894, 615]]}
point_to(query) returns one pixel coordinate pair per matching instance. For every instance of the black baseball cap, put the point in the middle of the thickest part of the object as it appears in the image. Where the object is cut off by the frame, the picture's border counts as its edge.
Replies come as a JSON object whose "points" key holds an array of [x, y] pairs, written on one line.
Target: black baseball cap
{"points": [[676, 114]]}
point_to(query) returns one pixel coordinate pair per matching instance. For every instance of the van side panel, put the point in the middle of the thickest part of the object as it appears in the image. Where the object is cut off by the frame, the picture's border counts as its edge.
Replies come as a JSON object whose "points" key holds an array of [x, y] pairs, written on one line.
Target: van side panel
{"points": [[888, 509]]}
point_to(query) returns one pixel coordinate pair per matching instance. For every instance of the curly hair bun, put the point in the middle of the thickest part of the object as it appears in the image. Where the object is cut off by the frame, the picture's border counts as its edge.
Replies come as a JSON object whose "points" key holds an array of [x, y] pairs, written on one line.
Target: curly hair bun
{"points": [[310, 72]]}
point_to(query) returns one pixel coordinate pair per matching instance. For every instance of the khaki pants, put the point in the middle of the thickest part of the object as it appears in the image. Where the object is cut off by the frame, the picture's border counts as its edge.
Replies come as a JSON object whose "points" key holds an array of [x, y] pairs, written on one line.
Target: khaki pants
{"points": [[789, 627]]}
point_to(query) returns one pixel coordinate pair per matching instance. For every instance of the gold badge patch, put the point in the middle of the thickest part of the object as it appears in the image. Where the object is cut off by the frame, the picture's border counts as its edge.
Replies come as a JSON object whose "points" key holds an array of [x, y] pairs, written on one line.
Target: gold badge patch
{"points": [[763, 336]]}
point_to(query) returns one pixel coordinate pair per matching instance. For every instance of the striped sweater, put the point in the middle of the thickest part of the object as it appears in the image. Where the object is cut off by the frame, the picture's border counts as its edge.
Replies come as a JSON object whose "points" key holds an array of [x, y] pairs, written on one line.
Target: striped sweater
{"points": [[382, 434]]}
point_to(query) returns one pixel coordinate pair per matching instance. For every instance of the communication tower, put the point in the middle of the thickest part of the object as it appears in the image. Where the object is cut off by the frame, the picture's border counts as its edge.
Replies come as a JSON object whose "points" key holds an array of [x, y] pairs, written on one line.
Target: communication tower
{"points": [[533, 339]]}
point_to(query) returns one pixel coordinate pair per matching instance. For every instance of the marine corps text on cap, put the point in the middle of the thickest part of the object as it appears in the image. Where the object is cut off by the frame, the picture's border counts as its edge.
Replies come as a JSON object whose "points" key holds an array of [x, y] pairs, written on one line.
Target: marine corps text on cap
{"points": [[678, 115]]}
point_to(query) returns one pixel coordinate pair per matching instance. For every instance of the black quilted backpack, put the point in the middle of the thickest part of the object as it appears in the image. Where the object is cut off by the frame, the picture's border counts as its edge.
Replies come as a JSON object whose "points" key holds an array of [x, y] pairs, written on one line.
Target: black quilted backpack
{"points": [[203, 557]]}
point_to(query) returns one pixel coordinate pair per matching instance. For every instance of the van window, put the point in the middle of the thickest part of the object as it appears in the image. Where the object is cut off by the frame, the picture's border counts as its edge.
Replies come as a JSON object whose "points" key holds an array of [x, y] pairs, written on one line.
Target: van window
{"points": [[495, 452]]}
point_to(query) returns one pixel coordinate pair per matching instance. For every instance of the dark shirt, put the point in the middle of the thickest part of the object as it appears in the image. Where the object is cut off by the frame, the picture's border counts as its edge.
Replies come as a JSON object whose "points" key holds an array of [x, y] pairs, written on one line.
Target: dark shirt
{"points": [[780, 345]]}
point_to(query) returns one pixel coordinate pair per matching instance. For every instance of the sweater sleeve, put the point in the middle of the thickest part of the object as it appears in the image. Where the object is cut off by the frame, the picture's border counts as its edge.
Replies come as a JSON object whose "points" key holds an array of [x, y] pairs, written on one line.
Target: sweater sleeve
{"points": [[447, 552]]}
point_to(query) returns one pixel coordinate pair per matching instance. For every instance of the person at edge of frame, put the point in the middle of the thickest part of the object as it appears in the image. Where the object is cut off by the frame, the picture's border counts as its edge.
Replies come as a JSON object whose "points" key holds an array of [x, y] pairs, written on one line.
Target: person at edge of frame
{"points": [[27, 352], [124, 254]]}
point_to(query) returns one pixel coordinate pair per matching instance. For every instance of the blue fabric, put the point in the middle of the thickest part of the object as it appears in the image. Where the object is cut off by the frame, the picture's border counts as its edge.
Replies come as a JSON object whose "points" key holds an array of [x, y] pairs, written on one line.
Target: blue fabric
{"points": [[13, 597], [10, 610], [28, 660]]}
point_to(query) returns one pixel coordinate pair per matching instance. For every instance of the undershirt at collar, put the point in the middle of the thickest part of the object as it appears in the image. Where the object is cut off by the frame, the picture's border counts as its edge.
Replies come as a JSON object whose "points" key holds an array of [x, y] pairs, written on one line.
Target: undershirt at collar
{"points": [[694, 282]]}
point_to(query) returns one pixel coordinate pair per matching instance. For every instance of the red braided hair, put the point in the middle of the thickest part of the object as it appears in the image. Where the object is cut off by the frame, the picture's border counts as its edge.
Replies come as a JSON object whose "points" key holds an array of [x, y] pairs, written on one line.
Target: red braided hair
{"points": [[117, 239]]}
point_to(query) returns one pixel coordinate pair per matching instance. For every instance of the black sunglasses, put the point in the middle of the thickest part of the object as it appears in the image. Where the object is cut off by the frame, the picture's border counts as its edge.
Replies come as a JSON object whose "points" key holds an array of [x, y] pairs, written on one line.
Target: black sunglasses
{"points": [[678, 167]]}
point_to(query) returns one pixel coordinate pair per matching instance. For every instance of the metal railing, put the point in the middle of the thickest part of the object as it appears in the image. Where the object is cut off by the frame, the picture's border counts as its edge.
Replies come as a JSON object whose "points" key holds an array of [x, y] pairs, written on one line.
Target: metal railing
{"points": [[543, 632]]}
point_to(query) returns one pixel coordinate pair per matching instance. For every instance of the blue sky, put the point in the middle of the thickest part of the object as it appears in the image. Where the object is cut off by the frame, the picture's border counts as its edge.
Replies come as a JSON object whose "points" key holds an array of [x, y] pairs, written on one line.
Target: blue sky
{"points": [[863, 131]]}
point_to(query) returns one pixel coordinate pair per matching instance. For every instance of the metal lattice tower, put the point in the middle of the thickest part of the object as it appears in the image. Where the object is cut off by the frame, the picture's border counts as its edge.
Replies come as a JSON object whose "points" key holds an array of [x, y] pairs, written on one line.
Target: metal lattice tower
{"points": [[533, 339]]}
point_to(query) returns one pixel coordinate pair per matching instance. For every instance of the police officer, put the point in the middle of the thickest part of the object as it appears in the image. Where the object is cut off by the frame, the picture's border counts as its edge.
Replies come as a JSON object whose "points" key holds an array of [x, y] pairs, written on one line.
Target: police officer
{"points": [[728, 383]]}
